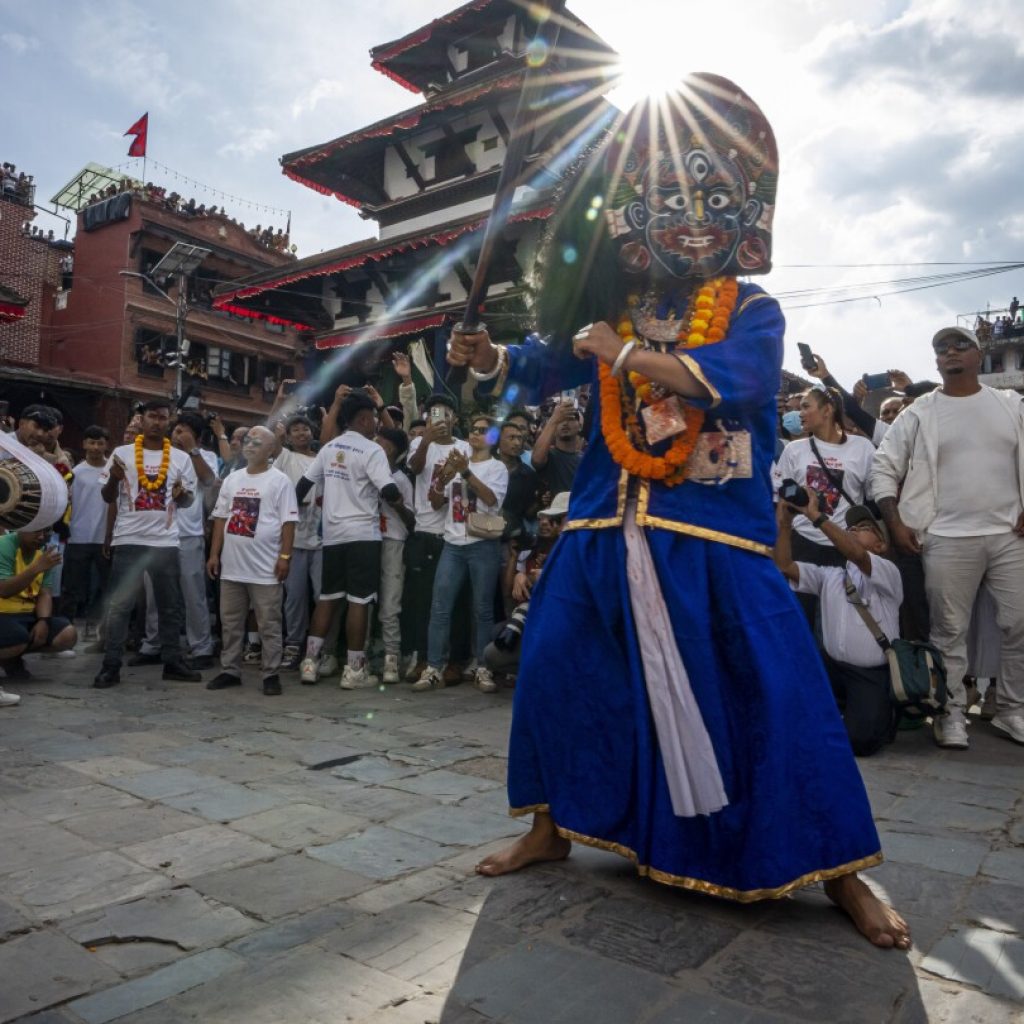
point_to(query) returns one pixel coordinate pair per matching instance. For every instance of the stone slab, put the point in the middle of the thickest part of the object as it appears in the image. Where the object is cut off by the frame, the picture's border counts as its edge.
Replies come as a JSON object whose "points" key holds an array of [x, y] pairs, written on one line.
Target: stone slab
{"points": [[375, 769], [37, 845], [131, 825], [110, 766], [992, 961], [698, 1008], [164, 782], [295, 826], [945, 814], [997, 906], [537, 981], [956, 855], [40, 775], [648, 937], [54, 805], [458, 826], [291, 884], [11, 921], [198, 851], [295, 931], [532, 900], [380, 852], [406, 889], [1006, 864], [810, 981], [982, 792], [181, 918], [225, 802], [444, 786], [154, 988], [946, 1003], [83, 883], [43, 969]]}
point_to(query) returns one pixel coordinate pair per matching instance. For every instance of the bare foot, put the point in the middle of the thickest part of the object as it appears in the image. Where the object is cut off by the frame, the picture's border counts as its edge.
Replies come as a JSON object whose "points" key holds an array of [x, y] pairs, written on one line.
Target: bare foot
{"points": [[541, 843], [873, 918]]}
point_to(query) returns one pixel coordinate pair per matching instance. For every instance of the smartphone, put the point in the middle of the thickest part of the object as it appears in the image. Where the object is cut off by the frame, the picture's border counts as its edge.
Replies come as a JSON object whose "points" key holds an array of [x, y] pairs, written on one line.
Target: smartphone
{"points": [[807, 360], [289, 386], [437, 414], [571, 395], [875, 381]]}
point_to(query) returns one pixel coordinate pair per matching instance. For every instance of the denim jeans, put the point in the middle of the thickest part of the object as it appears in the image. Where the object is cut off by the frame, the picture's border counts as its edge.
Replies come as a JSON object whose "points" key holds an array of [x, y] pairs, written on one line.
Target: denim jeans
{"points": [[478, 560]]}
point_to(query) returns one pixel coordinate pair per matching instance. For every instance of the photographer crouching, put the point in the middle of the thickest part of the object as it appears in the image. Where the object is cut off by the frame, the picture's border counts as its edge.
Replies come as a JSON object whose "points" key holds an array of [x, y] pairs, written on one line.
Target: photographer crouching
{"points": [[856, 664]]}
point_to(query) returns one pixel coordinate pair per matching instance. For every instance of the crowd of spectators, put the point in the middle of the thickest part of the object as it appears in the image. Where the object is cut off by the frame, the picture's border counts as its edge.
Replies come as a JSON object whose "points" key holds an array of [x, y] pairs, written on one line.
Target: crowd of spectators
{"points": [[275, 544], [269, 238], [16, 186]]}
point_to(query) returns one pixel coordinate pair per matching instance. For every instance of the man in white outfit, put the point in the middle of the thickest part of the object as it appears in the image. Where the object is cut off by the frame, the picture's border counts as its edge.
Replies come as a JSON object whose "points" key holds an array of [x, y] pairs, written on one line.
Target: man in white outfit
{"points": [[959, 455]]}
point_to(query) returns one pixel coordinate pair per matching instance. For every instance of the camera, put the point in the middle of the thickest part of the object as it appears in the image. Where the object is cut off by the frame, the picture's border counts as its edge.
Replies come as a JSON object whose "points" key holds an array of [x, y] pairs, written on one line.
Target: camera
{"points": [[209, 416], [793, 494], [512, 632]]}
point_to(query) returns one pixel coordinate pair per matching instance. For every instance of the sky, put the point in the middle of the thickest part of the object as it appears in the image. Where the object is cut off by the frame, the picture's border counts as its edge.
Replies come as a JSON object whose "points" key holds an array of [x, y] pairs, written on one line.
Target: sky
{"points": [[898, 125]]}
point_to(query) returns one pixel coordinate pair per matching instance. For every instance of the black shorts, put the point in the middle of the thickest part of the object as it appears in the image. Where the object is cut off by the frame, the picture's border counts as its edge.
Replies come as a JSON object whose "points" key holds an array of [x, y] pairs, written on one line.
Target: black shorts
{"points": [[15, 629], [351, 571]]}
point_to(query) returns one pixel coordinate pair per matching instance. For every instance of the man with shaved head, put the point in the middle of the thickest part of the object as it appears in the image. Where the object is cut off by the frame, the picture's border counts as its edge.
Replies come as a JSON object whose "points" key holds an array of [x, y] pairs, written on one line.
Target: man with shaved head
{"points": [[253, 531]]}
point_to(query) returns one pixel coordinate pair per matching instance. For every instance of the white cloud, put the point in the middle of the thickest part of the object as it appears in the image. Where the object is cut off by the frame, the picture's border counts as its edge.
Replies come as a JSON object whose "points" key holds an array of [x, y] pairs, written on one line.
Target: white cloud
{"points": [[323, 89], [252, 143], [18, 43]]}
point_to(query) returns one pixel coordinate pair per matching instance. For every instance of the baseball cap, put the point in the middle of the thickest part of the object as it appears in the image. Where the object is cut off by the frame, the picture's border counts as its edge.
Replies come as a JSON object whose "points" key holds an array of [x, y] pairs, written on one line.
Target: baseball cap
{"points": [[862, 514], [956, 332], [559, 505]]}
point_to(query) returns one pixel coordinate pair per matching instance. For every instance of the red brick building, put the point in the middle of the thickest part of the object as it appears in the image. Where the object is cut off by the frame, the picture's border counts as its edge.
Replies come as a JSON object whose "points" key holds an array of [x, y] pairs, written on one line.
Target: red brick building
{"points": [[95, 339]]}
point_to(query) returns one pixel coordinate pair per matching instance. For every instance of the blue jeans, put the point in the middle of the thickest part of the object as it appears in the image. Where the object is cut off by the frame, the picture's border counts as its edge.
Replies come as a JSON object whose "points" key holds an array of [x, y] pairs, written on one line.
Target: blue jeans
{"points": [[481, 561]]}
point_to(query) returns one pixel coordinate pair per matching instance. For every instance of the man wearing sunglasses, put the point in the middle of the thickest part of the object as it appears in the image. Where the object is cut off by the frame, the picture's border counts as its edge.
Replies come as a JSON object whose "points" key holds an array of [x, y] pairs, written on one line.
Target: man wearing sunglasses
{"points": [[958, 455]]}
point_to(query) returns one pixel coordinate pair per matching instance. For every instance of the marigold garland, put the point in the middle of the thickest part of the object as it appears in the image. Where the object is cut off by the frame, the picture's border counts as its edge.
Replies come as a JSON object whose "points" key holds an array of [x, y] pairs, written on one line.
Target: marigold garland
{"points": [[160, 479], [706, 324]]}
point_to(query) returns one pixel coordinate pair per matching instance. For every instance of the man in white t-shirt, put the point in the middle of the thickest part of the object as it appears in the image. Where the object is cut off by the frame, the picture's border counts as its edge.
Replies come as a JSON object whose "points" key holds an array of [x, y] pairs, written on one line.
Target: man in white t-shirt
{"points": [[949, 479], [146, 539], [83, 553], [427, 458], [354, 473], [253, 532], [394, 528], [307, 554], [185, 437], [857, 666]]}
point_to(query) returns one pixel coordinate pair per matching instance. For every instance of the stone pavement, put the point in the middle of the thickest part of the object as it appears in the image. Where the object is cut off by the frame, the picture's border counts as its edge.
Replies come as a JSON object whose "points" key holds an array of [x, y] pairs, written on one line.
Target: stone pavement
{"points": [[169, 854]]}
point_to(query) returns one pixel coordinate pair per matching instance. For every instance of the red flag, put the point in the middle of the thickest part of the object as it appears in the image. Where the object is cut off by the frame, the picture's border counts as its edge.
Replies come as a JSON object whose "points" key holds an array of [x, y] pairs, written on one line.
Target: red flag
{"points": [[139, 130]]}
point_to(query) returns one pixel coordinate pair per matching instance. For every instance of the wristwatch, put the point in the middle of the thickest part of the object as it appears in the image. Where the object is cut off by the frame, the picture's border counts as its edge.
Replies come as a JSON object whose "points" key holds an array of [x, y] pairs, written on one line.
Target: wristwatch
{"points": [[816, 523], [285, 557], [222, 437], [466, 474]]}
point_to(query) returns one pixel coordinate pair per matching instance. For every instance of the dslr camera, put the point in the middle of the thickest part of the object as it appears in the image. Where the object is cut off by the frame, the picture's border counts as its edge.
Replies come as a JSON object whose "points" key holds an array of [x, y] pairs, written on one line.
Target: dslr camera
{"points": [[793, 494]]}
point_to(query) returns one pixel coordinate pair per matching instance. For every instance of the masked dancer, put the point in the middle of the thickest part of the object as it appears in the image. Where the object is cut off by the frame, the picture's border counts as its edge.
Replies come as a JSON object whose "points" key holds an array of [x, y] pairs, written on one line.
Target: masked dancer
{"points": [[694, 732]]}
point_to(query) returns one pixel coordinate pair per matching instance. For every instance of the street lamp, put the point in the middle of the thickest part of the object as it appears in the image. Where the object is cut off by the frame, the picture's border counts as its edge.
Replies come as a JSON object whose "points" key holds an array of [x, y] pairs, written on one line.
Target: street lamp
{"points": [[181, 259]]}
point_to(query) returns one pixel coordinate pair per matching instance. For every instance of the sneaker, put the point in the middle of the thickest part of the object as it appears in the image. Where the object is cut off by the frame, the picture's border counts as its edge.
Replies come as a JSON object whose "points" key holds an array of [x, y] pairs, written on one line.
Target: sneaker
{"points": [[328, 666], [272, 686], [253, 654], [484, 681], [1011, 723], [291, 659], [69, 653], [15, 668], [469, 671], [223, 681], [307, 672], [356, 678], [431, 679], [414, 667], [8, 700], [391, 668], [988, 705], [106, 677], [951, 731]]}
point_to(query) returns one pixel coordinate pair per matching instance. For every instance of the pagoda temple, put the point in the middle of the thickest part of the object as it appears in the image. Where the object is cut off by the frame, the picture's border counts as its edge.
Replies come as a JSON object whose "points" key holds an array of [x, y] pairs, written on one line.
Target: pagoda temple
{"points": [[427, 178]]}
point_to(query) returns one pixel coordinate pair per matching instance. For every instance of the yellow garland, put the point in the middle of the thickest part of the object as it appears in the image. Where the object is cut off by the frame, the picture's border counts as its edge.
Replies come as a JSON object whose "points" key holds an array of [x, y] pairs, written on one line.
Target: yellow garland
{"points": [[707, 323], [140, 468]]}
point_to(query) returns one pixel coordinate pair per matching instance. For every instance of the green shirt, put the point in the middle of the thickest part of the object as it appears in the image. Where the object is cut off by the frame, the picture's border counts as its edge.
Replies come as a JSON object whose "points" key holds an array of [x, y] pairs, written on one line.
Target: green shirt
{"points": [[12, 562]]}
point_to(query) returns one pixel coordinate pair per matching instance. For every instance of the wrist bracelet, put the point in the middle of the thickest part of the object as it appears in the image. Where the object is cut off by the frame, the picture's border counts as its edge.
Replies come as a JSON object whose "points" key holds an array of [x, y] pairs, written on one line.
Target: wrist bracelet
{"points": [[816, 523], [491, 374], [621, 358], [222, 437], [285, 557]]}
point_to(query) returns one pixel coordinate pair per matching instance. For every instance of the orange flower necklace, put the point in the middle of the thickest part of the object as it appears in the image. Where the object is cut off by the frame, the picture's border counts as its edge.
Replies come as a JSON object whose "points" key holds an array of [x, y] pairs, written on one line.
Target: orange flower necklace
{"points": [[707, 323], [160, 479]]}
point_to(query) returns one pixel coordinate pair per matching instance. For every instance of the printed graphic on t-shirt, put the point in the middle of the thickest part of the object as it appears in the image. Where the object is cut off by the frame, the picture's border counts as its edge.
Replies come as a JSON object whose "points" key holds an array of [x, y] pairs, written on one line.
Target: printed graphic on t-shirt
{"points": [[461, 507], [245, 514], [151, 501], [828, 494]]}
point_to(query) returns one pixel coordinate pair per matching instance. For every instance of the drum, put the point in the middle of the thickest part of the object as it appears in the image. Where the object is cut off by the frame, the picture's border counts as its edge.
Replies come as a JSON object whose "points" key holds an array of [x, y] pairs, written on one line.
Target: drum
{"points": [[21, 494]]}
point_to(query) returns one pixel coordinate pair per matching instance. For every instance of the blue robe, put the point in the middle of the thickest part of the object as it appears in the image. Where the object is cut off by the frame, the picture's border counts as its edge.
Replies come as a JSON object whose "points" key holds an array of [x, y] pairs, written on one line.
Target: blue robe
{"points": [[583, 744]]}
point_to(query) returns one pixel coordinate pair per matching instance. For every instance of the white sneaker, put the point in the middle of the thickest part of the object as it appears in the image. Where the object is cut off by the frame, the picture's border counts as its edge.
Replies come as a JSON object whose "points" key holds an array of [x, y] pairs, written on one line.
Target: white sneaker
{"points": [[951, 730], [307, 671], [327, 667], [8, 700], [356, 678], [484, 681], [430, 680], [469, 672], [988, 705], [391, 668], [1011, 723], [410, 667]]}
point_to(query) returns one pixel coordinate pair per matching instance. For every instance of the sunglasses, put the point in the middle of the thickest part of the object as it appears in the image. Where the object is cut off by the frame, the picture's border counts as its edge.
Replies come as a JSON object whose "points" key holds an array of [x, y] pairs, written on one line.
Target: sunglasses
{"points": [[478, 430], [959, 344]]}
